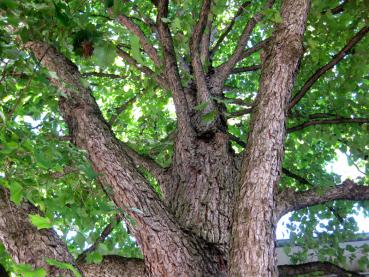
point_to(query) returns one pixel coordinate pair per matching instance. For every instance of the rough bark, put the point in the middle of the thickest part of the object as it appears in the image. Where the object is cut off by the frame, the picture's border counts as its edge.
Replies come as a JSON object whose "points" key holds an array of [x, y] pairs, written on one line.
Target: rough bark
{"points": [[114, 266], [252, 237], [167, 249], [315, 267], [205, 175], [289, 200], [25, 243]]}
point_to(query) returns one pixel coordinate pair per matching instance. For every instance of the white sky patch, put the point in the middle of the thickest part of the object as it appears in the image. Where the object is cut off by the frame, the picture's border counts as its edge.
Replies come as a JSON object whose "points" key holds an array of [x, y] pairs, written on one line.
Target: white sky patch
{"points": [[341, 167]]}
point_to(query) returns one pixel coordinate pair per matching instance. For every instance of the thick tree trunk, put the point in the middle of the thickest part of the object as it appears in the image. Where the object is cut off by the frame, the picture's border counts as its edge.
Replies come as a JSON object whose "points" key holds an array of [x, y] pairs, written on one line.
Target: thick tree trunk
{"points": [[252, 245], [205, 175]]}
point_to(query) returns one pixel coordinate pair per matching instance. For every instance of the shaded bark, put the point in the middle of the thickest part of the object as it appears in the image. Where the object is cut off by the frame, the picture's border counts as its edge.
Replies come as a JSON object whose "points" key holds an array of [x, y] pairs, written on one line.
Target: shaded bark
{"points": [[252, 237], [115, 266], [315, 267], [25, 243]]}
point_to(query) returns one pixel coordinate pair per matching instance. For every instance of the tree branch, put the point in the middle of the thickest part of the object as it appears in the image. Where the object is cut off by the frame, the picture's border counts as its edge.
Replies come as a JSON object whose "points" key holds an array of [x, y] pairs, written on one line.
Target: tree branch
{"points": [[171, 66], [327, 121], [103, 75], [298, 178], [290, 200], [338, 9], [308, 268], [147, 71], [248, 52], [25, 243], [321, 71], [240, 112], [229, 27], [222, 71], [246, 69], [147, 47], [203, 94], [205, 42], [104, 234], [122, 108]]}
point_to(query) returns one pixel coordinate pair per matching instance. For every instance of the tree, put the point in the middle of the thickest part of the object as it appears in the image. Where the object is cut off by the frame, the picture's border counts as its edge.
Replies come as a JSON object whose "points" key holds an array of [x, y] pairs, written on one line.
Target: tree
{"points": [[104, 145]]}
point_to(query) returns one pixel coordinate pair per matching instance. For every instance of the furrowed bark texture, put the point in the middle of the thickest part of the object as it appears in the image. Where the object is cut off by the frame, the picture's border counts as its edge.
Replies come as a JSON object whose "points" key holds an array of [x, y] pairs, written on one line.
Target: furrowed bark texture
{"points": [[25, 243], [205, 175], [114, 266], [252, 239], [167, 249]]}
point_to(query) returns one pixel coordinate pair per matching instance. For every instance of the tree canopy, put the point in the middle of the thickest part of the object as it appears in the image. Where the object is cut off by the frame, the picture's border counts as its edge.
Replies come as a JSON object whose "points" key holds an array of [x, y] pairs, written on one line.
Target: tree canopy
{"points": [[117, 47]]}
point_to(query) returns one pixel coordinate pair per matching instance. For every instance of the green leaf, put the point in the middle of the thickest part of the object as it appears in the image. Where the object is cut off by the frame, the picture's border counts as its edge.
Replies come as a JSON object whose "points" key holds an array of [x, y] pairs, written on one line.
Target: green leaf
{"points": [[40, 222], [165, 20], [94, 258], [16, 192], [26, 270], [104, 54], [63, 265], [209, 117], [202, 106], [89, 171], [135, 49]]}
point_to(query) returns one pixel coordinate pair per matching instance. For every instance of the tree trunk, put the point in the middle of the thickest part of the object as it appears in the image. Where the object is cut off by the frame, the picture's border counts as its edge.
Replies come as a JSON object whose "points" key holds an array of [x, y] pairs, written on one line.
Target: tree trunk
{"points": [[253, 232]]}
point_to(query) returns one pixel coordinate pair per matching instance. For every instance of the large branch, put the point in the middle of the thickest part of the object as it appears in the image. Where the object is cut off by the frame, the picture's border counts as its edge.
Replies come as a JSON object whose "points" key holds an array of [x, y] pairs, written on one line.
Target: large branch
{"points": [[223, 71], [321, 71], [290, 200], [171, 66], [327, 122], [254, 213], [315, 267], [203, 94], [153, 226], [147, 47]]}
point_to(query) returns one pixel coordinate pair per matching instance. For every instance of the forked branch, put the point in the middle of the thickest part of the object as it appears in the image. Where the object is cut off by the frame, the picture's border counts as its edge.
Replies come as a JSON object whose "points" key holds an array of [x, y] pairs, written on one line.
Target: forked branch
{"points": [[226, 31], [147, 47], [222, 72], [321, 71]]}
